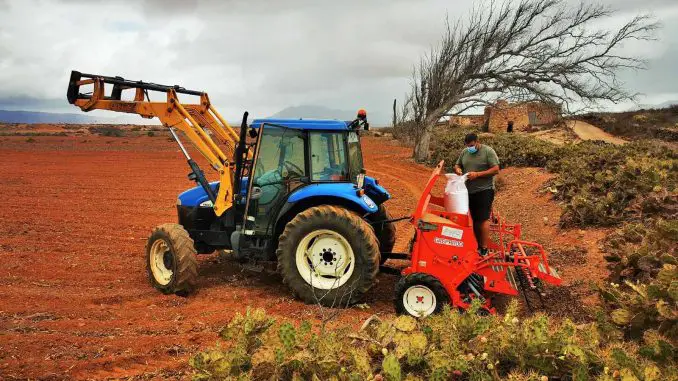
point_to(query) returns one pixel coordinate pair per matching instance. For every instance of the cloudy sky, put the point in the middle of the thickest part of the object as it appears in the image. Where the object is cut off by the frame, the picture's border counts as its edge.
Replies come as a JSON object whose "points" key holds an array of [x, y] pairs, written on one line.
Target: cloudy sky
{"points": [[260, 56]]}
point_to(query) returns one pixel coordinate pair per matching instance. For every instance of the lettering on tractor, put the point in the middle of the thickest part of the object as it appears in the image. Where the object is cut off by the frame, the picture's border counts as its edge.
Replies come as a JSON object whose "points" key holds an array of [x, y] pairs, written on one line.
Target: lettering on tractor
{"points": [[448, 242], [291, 191]]}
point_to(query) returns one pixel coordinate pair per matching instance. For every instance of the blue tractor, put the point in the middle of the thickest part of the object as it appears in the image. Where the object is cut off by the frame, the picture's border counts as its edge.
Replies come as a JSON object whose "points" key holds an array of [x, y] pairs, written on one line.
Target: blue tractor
{"points": [[290, 191]]}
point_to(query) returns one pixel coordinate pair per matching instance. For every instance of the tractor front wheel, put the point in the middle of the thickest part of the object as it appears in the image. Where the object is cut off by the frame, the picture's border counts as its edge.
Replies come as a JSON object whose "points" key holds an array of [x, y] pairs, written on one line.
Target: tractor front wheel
{"points": [[328, 255], [171, 262], [420, 295]]}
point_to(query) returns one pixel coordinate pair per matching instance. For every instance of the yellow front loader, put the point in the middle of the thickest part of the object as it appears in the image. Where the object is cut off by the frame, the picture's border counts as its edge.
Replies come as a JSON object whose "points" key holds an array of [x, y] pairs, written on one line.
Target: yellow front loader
{"points": [[194, 120]]}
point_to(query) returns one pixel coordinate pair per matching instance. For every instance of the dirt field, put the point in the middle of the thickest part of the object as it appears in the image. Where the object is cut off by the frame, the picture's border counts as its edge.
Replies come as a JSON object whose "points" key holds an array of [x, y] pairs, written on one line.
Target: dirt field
{"points": [[75, 213]]}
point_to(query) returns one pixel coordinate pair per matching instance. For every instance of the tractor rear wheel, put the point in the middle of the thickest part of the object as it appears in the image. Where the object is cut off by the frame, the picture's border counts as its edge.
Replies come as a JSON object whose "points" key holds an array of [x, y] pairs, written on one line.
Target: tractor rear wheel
{"points": [[328, 255], [171, 262], [420, 295], [385, 232]]}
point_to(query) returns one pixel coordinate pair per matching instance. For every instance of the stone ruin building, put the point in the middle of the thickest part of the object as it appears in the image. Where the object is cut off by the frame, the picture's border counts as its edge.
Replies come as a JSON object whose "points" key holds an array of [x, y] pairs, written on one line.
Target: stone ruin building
{"points": [[503, 116]]}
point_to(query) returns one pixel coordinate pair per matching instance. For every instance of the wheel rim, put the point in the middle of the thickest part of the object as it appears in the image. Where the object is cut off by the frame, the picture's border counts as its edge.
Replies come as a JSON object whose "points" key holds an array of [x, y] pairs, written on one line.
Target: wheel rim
{"points": [[161, 262], [325, 259], [419, 301]]}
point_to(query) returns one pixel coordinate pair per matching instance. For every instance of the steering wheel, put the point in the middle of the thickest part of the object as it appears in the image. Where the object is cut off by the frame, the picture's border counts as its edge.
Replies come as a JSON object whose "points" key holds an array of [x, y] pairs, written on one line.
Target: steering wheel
{"points": [[293, 168]]}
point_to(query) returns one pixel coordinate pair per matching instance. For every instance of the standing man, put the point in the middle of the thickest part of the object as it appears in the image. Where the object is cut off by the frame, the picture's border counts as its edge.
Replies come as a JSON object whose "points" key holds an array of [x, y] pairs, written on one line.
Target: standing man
{"points": [[481, 164]]}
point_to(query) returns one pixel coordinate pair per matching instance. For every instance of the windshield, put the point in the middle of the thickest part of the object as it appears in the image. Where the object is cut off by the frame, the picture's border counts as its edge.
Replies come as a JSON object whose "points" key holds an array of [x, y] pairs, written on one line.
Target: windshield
{"points": [[279, 166]]}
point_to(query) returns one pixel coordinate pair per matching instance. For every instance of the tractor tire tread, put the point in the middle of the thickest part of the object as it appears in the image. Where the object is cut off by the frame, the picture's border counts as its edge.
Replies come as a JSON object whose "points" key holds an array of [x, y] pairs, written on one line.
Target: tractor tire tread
{"points": [[286, 252], [185, 255], [386, 233]]}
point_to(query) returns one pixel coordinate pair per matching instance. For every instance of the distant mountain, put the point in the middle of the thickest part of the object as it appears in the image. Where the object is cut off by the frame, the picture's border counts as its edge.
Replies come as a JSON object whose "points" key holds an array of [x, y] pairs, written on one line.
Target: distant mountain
{"points": [[322, 112], [313, 112], [666, 104], [654, 106], [48, 117]]}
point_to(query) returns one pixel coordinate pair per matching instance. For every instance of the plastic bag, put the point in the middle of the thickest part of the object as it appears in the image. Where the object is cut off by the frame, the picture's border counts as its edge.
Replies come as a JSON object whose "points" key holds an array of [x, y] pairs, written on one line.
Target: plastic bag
{"points": [[456, 194]]}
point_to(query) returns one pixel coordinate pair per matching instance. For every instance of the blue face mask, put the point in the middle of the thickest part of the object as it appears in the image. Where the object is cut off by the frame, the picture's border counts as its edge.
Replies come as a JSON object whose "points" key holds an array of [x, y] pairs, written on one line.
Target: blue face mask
{"points": [[472, 149]]}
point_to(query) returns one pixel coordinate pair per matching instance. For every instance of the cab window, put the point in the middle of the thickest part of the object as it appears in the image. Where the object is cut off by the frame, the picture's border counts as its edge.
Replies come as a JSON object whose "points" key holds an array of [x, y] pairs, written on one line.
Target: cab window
{"points": [[328, 156]]}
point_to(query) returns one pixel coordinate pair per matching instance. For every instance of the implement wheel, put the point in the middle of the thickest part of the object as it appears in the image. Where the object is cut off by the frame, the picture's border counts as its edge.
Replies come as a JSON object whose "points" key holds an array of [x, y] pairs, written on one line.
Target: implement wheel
{"points": [[171, 262], [328, 255], [420, 295], [385, 232]]}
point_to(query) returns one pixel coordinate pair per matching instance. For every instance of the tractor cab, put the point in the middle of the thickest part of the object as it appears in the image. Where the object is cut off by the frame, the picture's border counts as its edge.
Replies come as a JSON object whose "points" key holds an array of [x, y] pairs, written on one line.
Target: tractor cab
{"points": [[294, 154]]}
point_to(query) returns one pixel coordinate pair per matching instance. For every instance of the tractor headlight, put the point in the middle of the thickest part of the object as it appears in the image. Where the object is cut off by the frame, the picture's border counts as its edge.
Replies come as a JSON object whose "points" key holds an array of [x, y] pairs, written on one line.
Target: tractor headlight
{"points": [[368, 201], [360, 180], [178, 202]]}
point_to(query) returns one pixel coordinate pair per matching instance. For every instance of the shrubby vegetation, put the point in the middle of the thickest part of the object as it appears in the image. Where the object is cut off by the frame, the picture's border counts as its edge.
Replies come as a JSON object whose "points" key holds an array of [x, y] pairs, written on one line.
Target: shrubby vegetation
{"points": [[633, 187], [450, 346], [660, 123], [105, 130], [601, 184]]}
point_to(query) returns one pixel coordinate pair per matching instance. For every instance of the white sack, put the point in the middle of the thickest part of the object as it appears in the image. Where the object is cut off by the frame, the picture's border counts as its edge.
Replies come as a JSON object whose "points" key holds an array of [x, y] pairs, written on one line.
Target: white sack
{"points": [[456, 195]]}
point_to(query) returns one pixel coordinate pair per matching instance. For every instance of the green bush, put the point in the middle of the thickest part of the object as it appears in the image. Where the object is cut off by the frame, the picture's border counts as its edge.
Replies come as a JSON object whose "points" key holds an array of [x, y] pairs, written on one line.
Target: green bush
{"points": [[659, 124], [107, 131], [452, 345], [636, 307], [514, 150], [637, 251], [150, 134], [603, 184]]}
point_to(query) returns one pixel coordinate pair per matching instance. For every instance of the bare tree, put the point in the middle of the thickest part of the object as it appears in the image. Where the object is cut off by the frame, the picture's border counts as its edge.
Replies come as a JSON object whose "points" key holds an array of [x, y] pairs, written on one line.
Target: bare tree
{"points": [[536, 49]]}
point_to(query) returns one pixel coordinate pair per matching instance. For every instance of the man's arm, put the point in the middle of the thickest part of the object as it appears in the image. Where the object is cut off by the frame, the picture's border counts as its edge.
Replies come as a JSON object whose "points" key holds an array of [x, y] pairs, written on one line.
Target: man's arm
{"points": [[492, 161], [490, 172], [457, 167]]}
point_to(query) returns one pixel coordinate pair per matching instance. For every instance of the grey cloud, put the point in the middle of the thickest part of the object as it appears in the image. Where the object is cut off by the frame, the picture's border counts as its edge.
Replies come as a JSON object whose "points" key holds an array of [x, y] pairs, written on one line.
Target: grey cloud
{"points": [[31, 103], [259, 55]]}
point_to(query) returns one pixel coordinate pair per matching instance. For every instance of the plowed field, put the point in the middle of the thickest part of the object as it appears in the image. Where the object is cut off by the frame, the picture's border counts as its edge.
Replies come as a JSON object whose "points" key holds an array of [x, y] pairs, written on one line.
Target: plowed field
{"points": [[75, 212]]}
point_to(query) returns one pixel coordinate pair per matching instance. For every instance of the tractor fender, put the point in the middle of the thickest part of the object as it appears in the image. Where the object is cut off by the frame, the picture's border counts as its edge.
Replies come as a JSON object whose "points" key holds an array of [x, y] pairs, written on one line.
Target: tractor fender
{"points": [[317, 194], [344, 191]]}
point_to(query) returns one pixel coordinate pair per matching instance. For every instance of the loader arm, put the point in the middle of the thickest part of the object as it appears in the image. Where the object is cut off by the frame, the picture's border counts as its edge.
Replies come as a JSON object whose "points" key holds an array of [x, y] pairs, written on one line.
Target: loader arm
{"points": [[194, 120]]}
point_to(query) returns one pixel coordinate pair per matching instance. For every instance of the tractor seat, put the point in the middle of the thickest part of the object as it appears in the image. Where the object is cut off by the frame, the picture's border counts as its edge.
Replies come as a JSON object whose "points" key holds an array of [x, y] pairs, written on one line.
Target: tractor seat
{"points": [[435, 219]]}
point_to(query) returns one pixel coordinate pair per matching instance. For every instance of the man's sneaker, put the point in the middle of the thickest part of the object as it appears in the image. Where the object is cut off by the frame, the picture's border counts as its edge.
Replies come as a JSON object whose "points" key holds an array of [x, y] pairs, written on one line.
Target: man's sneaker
{"points": [[482, 251]]}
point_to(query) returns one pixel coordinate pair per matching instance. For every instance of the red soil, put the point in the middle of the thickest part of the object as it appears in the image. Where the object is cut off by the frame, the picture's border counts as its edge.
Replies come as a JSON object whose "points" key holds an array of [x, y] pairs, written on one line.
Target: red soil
{"points": [[75, 213]]}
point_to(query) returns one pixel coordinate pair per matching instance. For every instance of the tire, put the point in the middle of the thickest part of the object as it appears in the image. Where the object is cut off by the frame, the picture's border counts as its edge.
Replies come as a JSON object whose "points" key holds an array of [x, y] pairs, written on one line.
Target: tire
{"points": [[347, 260], [386, 232], [176, 272], [411, 287]]}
